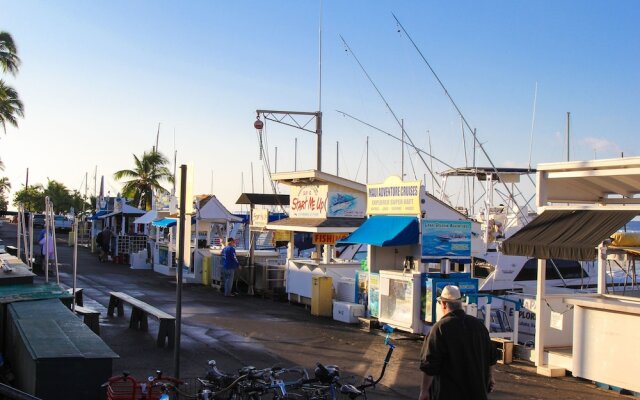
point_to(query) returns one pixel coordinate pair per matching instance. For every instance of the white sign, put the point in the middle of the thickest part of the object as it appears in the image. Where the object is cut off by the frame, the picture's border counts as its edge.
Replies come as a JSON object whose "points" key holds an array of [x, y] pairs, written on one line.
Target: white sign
{"points": [[259, 217], [308, 201], [556, 320]]}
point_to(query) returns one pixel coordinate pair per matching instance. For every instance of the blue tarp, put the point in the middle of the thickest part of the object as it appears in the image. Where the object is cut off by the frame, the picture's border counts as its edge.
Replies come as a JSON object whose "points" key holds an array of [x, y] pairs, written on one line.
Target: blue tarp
{"points": [[386, 230], [165, 222]]}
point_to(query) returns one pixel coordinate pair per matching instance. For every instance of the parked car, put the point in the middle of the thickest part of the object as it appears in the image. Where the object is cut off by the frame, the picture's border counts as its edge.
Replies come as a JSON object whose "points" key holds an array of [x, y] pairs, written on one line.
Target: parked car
{"points": [[38, 220], [62, 223]]}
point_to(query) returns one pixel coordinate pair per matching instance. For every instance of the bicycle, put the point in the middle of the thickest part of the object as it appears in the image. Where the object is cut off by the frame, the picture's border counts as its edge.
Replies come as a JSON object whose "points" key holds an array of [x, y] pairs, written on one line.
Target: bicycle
{"points": [[125, 387], [356, 391]]}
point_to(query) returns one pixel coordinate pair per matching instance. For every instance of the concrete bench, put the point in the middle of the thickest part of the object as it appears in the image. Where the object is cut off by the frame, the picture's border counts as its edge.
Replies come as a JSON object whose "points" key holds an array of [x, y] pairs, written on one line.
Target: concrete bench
{"points": [[139, 312], [91, 318]]}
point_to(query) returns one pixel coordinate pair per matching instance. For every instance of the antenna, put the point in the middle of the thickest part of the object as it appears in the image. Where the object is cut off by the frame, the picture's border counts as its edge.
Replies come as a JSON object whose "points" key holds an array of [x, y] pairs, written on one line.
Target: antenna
{"points": [[320, 61], [533, 122]]}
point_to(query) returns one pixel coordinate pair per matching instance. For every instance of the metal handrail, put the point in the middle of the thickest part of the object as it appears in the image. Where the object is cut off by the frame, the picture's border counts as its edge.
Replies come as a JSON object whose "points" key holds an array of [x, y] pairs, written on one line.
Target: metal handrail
{"points": [[14, 394]]}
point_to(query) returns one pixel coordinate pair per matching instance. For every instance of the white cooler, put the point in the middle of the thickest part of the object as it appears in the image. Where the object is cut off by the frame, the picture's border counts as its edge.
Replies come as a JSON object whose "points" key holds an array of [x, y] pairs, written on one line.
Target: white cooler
{"points": [[347, 312]]}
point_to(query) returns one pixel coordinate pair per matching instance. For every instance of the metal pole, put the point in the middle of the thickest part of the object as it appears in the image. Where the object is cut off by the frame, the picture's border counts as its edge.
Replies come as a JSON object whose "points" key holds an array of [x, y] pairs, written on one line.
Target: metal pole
{"points": [[367, 169], [402, 151], [181, 233], [295, 154], [568, 137], [337, 158], [319, 140], [252, 187], [276, 164], [75, 262]]}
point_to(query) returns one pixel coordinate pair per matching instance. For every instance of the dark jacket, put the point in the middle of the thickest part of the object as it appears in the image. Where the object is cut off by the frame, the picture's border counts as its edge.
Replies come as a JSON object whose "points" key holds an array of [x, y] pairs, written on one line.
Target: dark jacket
{"points": [[458, 353]]}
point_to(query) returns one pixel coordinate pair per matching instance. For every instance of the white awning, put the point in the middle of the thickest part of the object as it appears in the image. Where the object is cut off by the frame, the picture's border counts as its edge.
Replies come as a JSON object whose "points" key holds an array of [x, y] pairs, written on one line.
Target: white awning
{"points": [[148, 218]]}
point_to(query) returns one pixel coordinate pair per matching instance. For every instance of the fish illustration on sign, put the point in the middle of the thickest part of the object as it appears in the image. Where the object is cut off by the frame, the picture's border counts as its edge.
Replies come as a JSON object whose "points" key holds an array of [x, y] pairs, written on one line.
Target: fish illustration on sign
{"points": [[340, 203]]}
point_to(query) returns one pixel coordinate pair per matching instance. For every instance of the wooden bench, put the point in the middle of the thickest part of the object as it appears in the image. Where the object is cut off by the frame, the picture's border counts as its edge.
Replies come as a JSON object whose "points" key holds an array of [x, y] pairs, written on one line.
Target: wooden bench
{"points": [[78, 295], [91, 318], [139, 312]]}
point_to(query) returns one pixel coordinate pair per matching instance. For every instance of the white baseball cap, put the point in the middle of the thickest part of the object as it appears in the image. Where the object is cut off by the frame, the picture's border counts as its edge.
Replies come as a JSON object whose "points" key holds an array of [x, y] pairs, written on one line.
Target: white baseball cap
{"points": [[450, 293]]}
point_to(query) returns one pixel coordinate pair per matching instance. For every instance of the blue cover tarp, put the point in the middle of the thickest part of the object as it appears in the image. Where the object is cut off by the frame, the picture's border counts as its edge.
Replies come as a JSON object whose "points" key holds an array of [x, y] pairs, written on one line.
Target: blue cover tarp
{"points": [[386, 230], [165, 222]]}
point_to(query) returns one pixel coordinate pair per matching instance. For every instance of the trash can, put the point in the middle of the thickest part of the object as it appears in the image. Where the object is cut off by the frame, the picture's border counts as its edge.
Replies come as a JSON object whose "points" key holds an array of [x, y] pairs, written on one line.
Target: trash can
{"points": [[206, 270], [322, 296]]}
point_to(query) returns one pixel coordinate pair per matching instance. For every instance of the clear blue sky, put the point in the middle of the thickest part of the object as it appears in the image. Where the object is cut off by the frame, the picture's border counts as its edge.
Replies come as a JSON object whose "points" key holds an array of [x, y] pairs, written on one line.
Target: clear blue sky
{"points": [[98, 77]]}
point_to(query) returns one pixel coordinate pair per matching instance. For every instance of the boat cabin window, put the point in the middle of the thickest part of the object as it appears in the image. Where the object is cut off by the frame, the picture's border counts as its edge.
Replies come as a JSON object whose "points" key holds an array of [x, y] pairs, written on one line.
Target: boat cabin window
{"points": [[570, 269]]}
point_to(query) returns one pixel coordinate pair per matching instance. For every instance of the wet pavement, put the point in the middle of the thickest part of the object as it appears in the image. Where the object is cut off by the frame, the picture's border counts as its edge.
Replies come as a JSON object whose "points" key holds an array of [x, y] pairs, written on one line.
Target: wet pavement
{"points": [[251, 330]]}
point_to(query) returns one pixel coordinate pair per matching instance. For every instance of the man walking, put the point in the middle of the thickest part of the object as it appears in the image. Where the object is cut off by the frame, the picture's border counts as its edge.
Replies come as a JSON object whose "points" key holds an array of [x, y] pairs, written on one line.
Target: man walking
{"points": [[457, 357], [229, 265]]}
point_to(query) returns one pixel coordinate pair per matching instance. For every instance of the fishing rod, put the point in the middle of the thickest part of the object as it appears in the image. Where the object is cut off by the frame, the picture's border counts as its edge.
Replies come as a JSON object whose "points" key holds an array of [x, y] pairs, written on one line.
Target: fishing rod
{"points": [[389, 108], [395, 137], [446, 92]]}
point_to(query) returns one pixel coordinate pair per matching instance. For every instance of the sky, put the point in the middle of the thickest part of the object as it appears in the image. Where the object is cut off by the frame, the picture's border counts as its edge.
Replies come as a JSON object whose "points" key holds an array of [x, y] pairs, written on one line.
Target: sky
{"points": [[99, 77]]}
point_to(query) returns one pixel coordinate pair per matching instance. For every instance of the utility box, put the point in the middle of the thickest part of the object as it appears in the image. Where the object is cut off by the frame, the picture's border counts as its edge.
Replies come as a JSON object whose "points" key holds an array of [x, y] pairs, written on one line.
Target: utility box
{"points": [[321, 296], [347, 312]]}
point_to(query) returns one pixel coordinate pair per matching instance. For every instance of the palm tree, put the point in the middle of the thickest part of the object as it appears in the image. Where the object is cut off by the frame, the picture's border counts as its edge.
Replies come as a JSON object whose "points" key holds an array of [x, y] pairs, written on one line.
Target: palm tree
{"points": [[149, 170], [9, 59], [4, 184], [10, 106]]}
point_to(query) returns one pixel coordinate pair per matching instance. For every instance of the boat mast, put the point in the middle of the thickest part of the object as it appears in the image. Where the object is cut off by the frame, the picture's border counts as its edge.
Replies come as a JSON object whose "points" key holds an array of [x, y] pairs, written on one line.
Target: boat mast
{"points": [[568, 135]]}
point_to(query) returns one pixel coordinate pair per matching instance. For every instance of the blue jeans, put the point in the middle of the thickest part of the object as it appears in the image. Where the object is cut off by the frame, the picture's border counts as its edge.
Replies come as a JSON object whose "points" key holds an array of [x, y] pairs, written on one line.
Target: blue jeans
{"points": [[227, 275]]}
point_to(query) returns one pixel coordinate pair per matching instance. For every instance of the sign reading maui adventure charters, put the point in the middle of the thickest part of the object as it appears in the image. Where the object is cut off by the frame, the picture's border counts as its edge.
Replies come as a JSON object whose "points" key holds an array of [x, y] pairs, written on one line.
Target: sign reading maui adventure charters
{"points": [[446, 239], [308, 201], [259, 217], [328, 238], [394, 197]]}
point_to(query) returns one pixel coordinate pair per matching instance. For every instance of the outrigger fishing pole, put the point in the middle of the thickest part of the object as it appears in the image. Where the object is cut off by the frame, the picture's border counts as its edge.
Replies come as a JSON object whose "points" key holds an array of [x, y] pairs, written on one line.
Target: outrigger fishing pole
{"points": [[446, 92]]}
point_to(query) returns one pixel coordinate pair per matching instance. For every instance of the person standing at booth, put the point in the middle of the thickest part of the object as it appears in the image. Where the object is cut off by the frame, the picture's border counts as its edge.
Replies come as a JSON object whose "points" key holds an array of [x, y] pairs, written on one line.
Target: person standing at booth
{"points": [[229, 265], [457, 357]]}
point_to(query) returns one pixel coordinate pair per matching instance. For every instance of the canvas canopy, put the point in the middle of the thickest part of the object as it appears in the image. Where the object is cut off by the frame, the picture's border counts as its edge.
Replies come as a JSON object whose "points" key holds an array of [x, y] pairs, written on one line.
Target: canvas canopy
{"points": [[148, 218], [211, 210], [566, 234]]}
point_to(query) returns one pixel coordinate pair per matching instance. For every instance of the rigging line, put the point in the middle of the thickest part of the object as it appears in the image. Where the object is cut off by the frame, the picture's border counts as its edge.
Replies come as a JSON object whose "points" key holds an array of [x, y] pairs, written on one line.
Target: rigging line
{"points": [[533, 123], [415, 177], [274, 187], [396, 138], [386, 104], [475, 137]]}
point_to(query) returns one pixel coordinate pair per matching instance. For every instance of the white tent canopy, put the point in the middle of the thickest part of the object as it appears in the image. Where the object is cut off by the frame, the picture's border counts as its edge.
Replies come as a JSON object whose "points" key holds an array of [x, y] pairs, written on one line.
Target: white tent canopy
{"points": [[211, 210], [148, 218]]}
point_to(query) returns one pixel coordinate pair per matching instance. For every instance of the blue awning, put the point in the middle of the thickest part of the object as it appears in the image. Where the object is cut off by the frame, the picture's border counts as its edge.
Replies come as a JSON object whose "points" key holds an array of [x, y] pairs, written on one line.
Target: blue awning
{"points": [[386, 230], [98, 215], [165, 222]]}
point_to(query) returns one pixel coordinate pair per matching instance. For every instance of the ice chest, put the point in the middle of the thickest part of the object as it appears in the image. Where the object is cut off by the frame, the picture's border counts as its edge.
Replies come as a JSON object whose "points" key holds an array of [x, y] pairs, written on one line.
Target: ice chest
{"points": [[347, 312]]}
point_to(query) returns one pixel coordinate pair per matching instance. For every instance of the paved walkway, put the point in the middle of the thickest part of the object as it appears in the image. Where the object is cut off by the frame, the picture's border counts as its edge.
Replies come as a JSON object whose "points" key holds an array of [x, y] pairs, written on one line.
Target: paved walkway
{"points": [[249, 330]]}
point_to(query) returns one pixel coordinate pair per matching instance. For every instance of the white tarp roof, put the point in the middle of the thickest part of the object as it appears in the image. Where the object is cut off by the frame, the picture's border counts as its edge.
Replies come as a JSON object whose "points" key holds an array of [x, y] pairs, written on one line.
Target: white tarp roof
{"points": [[126, 210], [148, 218], [211, 210]]}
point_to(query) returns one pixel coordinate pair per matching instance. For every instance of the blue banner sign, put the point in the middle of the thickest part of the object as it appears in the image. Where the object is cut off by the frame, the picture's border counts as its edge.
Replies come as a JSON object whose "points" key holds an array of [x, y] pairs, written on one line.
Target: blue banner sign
{"points": [[446, 239]]}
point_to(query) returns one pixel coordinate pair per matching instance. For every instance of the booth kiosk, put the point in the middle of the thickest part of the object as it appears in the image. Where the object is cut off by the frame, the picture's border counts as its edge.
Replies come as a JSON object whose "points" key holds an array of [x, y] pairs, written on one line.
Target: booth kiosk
{"points": [[582, 204], [126, 238], [329, 207], [408, 234]]}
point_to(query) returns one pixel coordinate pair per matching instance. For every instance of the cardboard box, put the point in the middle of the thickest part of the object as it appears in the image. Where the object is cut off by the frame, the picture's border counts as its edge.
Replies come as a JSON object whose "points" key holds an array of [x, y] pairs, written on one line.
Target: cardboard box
{"points": [[347, 312], [505, 350]]}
